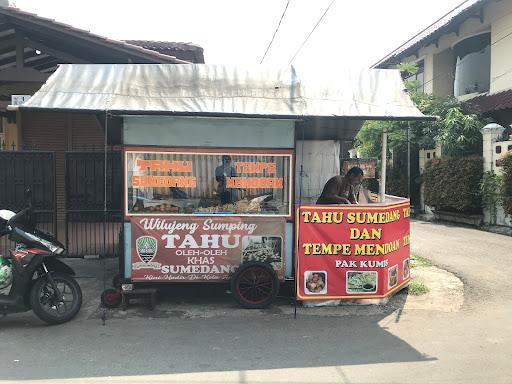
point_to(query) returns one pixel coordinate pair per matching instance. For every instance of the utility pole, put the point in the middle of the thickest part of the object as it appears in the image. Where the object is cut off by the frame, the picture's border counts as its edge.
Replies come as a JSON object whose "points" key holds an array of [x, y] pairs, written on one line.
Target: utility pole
{"points": [[383, 162]]}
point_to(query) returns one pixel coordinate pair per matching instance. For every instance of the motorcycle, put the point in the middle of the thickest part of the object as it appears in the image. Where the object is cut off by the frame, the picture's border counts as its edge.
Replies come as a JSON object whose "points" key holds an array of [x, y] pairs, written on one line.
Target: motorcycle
{"points": [[33, 276]]}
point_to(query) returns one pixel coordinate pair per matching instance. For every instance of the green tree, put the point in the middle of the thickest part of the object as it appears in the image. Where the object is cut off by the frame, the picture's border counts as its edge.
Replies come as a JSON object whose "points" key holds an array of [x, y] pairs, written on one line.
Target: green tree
{"points": [[457, 129], [506, 184], [453, 184], [490, 190]]}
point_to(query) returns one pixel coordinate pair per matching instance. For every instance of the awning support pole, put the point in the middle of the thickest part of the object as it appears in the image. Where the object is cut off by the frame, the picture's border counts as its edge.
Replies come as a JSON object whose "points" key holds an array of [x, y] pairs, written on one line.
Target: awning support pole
{"points": [[409, 160], [384, 161], [105, 149]]}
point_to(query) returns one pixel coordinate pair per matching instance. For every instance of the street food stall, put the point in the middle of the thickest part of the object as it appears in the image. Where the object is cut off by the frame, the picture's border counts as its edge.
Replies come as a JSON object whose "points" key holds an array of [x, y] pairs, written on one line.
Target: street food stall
{"points": [[221, 170]]}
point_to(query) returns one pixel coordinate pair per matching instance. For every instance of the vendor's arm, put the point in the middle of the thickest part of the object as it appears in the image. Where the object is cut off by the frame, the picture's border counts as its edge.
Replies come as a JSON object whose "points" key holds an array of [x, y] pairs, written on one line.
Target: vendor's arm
{"points": [[335, 199], [219, 173], [330, 192], [352, 197]]}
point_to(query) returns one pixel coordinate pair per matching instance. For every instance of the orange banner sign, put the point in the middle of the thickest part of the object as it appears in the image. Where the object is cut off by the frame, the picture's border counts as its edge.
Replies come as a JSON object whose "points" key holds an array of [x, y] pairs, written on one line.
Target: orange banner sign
{"points": [[352, 251], [203, 248], [164, 181], [165, 165], [254, 182], [255, 167]]}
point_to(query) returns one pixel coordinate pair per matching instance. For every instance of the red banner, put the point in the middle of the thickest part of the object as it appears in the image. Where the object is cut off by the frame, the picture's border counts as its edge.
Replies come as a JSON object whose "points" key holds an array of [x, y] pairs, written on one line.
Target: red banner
{"points": [[352, 252], [204, 248]]}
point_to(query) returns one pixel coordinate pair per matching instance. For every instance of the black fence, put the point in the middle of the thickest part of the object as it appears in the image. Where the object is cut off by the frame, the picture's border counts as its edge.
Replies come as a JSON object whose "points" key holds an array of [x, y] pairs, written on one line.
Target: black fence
{"points": [[93, 233], [28, 169], [89, 229]]}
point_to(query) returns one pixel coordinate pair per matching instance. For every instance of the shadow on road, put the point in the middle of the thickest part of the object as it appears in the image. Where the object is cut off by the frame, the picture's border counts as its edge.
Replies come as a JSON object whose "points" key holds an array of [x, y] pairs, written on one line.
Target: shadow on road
{"points": [[226, 338]]}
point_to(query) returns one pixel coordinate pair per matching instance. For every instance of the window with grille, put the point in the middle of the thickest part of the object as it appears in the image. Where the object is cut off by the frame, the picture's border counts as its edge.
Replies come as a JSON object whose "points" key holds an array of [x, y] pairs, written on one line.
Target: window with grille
{"points": [[419, 76], [203, 182]]}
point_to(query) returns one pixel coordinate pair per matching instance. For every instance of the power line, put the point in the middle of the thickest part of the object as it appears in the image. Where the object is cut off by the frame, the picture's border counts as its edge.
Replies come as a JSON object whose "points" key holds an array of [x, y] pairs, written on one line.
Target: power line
{"points": [[422, 31], [275, 32], [313, 30]]}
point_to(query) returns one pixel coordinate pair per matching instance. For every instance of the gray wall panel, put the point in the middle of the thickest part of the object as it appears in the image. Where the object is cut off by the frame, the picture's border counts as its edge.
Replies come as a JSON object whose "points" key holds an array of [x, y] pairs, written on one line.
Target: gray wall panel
{"points": [[208, 132]]}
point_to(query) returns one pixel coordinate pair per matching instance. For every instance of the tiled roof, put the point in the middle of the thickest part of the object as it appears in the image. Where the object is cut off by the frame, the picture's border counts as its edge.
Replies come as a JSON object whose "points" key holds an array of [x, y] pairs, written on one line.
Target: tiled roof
{"points": [[157, 45], [19, 16], [490, 103], [184, 51], [429, 35]]}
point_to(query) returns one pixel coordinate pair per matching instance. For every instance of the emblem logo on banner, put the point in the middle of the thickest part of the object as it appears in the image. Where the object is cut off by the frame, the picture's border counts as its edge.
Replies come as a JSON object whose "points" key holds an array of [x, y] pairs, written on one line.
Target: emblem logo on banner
{"points": [[147, 247]]}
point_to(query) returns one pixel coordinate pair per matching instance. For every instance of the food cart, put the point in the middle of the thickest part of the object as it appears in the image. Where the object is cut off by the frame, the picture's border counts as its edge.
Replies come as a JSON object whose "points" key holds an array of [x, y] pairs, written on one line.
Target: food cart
{"points": [[215, 160]]}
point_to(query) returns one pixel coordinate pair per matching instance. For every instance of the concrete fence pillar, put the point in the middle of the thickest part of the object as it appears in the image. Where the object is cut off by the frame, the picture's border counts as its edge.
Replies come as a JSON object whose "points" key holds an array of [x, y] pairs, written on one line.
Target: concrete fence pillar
{"points": [[425, 155], [490, 134]]}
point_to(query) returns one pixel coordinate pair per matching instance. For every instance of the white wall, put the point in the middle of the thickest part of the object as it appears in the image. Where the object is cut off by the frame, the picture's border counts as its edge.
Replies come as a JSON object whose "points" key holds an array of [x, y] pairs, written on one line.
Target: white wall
{"points": [[501, 218], [501, 63], [490, 135], [443, 69], [505, 146], [321, 161]]}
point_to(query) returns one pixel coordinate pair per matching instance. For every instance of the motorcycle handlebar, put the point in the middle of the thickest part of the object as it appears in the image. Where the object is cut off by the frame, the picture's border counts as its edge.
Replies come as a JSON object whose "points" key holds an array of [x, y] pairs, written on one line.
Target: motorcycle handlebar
{"points": [[26, 211], [17, 216]]}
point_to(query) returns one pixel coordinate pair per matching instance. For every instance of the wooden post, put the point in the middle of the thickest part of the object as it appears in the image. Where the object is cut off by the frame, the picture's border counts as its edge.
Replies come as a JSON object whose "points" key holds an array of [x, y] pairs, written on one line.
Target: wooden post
{"points": [[382, 187], [20, 50]]}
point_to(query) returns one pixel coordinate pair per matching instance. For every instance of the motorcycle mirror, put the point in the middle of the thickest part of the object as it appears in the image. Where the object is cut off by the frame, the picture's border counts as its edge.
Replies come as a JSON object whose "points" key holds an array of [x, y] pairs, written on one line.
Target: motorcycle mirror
{"points": [[28, 196]]}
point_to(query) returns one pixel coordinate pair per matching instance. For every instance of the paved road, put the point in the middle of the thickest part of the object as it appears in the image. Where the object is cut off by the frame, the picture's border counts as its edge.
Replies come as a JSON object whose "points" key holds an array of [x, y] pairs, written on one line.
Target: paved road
{"points": [[368, 346], [482, 260]]}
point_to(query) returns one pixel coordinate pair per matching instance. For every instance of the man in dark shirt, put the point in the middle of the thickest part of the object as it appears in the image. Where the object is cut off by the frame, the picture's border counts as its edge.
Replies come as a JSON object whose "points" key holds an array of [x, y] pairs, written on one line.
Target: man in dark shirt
{"points": [[342, 190], [222, 172]]}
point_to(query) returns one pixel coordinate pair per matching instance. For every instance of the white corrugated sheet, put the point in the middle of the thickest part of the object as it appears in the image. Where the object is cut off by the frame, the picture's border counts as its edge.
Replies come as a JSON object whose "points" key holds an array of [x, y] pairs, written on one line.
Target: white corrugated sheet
{"points": [[316, 162], [203, 89]]}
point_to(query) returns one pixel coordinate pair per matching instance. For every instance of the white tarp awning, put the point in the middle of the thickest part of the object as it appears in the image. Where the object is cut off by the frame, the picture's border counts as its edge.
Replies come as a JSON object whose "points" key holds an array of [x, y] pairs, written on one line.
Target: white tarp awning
{"points": [[202, 89]]}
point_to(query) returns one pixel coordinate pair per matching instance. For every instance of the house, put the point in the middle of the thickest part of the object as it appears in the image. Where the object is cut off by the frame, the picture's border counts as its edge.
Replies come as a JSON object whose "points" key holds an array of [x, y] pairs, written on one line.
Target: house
{"points": [[466, 54], [31, 47], [60, 155]]}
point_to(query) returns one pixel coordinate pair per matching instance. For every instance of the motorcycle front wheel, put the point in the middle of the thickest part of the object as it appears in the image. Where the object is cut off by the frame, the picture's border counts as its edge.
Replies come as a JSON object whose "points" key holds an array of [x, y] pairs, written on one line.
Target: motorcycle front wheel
{"points": [[45, 301]]}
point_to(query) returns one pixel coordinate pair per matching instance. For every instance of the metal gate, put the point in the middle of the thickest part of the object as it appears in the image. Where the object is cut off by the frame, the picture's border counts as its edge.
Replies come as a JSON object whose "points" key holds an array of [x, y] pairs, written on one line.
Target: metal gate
{"points": [[28, 169], [89, 230]]}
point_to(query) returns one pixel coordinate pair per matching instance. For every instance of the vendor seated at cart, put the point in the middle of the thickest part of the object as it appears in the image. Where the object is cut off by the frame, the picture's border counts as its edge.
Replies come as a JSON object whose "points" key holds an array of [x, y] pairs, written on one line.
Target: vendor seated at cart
{"points": [[342, 189], [222, 172]]}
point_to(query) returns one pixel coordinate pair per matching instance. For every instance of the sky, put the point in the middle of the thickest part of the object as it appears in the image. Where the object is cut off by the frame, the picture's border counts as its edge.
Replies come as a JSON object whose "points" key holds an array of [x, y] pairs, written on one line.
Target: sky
{"points": [[352, 33]]}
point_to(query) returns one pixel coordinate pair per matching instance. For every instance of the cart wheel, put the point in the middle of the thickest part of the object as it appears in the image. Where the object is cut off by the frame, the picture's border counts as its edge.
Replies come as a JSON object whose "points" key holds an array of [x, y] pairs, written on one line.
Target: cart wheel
{"points": [[116, 281], [255, 285], [111, 298]]}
